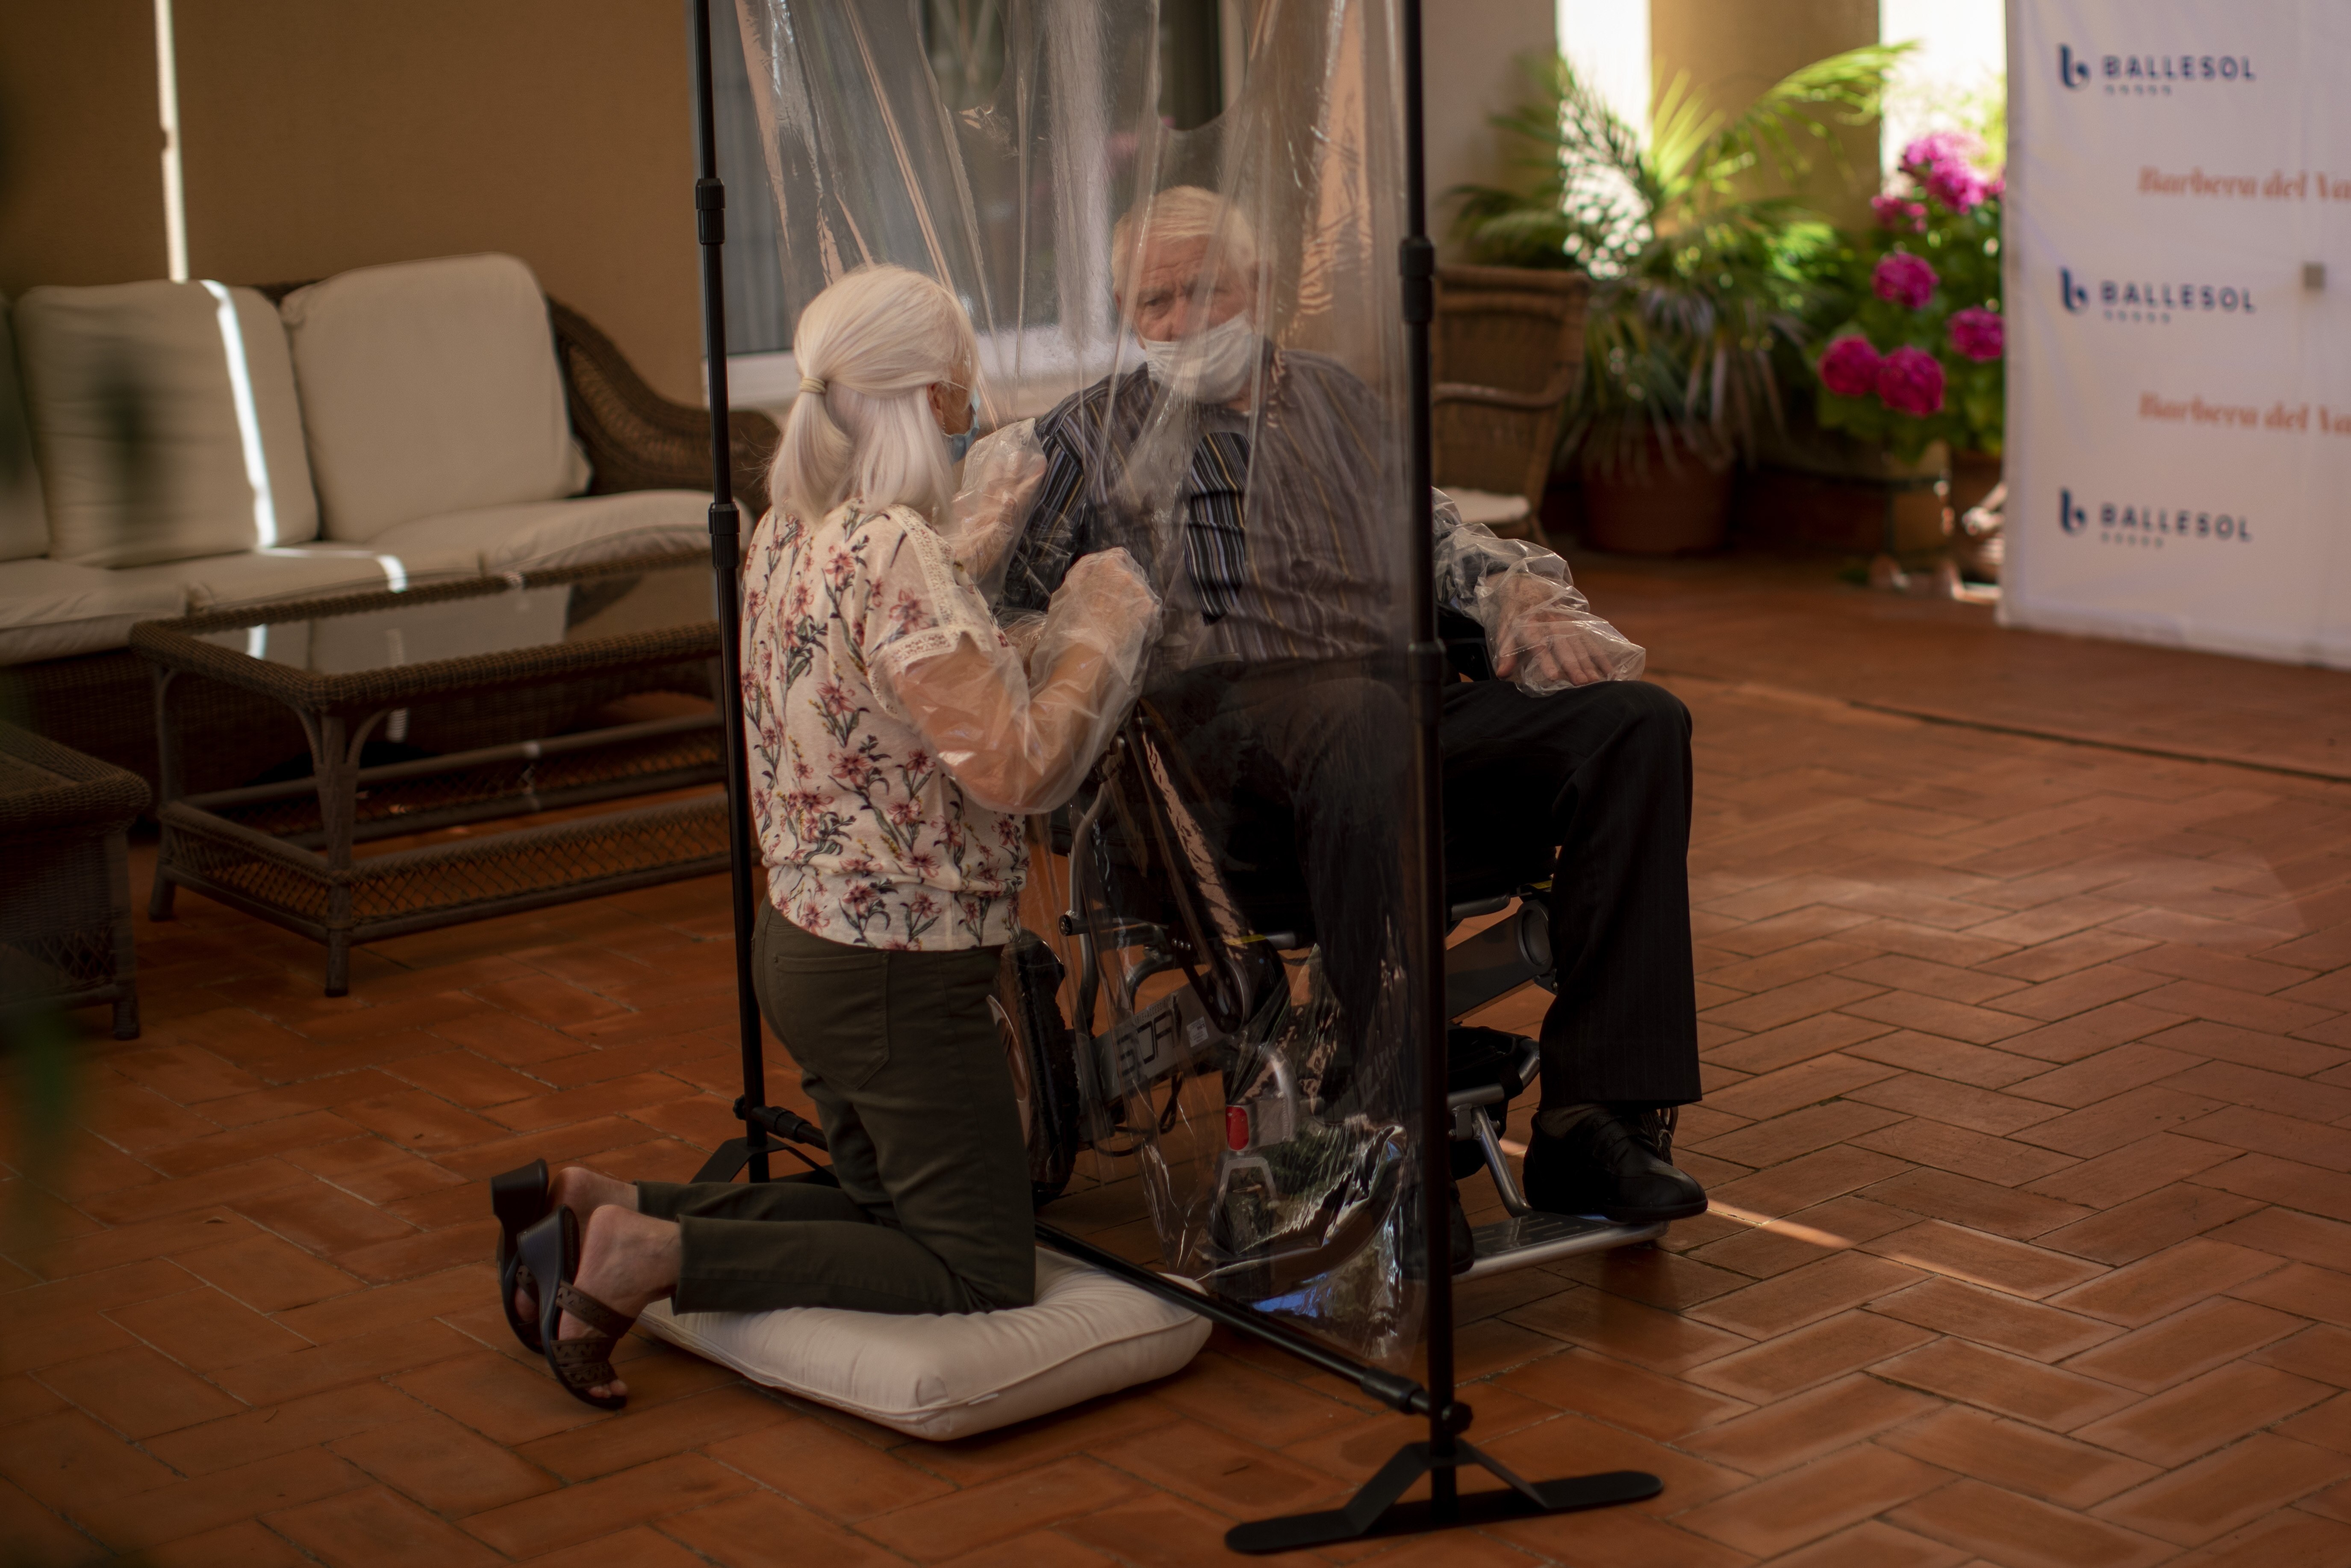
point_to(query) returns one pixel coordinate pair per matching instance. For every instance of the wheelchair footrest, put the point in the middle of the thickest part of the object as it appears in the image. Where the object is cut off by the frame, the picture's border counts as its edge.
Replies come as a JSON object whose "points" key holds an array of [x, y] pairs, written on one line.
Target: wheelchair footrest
{"points": [[1538, 1237]]}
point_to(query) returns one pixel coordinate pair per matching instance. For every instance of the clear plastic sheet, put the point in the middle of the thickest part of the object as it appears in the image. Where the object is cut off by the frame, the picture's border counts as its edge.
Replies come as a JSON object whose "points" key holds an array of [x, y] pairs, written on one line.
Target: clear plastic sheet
{"points": [[1221, 902]]}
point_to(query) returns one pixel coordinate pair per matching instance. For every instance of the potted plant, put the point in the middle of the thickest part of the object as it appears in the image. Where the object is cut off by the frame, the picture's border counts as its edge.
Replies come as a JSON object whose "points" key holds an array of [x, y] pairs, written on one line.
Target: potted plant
{"points": [[1696, 276], [1915, 338]]}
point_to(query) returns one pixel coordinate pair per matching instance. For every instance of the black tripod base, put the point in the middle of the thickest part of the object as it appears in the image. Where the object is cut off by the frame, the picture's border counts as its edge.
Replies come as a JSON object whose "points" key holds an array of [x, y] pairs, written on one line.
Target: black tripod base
{"points": [[1375, 1511]]}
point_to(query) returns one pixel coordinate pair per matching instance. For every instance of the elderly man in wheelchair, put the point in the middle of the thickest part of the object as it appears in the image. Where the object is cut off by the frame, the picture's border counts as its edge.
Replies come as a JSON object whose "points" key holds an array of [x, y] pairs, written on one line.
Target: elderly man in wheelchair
{"points": [[1239, 813]]}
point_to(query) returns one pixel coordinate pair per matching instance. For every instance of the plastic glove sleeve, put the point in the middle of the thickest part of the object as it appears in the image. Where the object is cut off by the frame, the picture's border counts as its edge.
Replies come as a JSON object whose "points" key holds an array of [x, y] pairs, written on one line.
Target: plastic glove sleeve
{"points": [[1000, 475], [1022, 739], [1539, 630]]}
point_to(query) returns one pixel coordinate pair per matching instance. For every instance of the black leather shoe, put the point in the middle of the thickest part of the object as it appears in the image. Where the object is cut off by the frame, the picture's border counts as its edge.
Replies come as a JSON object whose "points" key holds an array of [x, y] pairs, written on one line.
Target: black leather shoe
{"points": [[1600, 1165]]}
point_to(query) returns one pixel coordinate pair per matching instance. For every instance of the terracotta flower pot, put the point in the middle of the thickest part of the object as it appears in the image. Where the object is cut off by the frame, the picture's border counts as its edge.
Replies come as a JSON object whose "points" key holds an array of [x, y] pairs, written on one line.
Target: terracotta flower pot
{"points": [[1681, 509]]}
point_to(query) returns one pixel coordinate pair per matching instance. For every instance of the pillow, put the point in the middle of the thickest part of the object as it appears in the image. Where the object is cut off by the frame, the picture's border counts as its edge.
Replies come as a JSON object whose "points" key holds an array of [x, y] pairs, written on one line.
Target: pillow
{"points": [[1486, 507], [24, 521], [53, 609], [948, 1376], [166, 423], [429, 387], [545, 534]]}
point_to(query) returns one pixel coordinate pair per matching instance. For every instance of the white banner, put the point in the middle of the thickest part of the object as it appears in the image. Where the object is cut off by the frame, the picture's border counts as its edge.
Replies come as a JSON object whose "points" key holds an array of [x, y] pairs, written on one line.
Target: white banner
{"points": [[2179, 446]]}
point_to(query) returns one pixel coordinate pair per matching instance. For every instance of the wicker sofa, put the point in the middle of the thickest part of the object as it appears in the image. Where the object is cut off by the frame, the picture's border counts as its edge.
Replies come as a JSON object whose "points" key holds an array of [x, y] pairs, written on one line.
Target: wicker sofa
{"points": [[209, 485]]}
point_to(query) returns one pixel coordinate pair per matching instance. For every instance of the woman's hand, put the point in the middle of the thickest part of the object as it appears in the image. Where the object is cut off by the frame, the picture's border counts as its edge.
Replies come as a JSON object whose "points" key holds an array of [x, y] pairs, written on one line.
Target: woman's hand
{"points": [[1022, 739], [1000, 475], [1106, 587]]}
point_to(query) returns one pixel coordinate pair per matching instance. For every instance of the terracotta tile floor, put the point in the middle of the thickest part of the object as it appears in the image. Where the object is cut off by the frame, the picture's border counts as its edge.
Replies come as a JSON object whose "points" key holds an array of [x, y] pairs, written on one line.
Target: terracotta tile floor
{"points": [[2029, 1121]]}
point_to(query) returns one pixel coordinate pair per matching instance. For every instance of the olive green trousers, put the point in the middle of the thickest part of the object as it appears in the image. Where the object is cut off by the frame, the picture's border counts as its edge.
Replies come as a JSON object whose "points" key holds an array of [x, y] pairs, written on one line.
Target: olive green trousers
{"points": [[900, 1053]]}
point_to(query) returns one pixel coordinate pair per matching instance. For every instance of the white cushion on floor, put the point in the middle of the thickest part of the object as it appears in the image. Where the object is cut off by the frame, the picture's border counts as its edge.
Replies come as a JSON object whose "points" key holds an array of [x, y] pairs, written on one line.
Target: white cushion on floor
{"points": [[53, 609], [146, 404], [548, 534], [1485, 507], [429, 387], [24, 520], [948, 1376]]}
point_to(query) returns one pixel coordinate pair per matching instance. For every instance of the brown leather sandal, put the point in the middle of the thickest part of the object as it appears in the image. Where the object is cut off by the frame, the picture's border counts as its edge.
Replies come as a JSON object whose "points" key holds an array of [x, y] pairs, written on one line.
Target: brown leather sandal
{"points": [[519, 1198], [550, 1249]]}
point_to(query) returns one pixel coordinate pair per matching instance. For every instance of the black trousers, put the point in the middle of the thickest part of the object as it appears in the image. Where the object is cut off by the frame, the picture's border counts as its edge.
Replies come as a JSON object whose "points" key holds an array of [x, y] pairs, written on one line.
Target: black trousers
{"points": [[1307, 765], [900, 1053]]}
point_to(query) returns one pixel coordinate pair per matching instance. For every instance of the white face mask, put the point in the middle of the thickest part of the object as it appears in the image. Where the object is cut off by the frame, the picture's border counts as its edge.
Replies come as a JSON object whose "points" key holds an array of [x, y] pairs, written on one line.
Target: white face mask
{"points": [[1210, 367]]}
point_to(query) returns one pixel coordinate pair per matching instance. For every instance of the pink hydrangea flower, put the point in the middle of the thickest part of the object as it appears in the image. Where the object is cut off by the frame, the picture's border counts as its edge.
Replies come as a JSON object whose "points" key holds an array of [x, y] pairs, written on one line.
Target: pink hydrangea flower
{"points": [[1905, 278], [1956, 186], [1978, 333], [1911, 382], [1944, 163], [1850, 366], [1938, 147], [1900, 213]]}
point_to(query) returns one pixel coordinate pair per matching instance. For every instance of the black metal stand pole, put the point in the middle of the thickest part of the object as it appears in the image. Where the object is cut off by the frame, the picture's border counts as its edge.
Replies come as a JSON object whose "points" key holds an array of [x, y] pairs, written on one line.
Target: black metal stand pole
{"points": [[1375, 1510], [726, 568]]}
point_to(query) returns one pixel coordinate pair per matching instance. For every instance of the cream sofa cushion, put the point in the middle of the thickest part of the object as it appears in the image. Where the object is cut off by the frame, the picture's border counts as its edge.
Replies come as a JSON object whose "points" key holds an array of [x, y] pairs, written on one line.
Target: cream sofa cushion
{"points": [[319, 569], [948, 1376], [24, 520], [429, 387], [1485, 508], [557, 533], [53, 609], [166, 422]]}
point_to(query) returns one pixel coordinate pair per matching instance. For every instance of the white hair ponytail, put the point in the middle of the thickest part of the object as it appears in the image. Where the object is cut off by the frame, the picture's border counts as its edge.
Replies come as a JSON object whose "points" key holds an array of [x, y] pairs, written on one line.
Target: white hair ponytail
{"points": [[867, 348]]}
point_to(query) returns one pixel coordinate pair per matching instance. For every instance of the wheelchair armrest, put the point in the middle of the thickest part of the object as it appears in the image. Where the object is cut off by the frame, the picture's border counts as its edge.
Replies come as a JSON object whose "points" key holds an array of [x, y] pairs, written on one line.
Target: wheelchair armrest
{"points": [[1464, 644]]}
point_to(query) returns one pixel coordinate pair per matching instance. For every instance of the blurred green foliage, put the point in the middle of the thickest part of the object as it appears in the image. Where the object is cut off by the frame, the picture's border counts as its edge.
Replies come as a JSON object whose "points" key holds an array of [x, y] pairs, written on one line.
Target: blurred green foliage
{"points": [[1701, 285]]}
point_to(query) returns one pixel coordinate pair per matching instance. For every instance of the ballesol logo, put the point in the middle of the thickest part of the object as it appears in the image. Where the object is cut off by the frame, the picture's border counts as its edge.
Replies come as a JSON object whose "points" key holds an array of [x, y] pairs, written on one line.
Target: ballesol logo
{"points": [[2149, 76], [2135, 523], [2153, 300]]}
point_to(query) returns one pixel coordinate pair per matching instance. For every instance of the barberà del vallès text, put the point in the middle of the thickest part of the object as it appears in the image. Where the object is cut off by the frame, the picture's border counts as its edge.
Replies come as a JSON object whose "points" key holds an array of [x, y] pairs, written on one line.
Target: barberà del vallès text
{"points": [[2308, 186], [2300, 418]]}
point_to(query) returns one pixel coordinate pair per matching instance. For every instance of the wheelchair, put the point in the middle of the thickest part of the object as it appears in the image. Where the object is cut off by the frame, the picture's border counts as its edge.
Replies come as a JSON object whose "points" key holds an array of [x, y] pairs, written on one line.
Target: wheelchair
{"points": [[1186, 965]]}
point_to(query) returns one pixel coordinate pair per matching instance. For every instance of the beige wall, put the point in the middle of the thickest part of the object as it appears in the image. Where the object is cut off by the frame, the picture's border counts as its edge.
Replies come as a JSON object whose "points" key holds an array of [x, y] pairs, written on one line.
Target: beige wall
{"points": [[1735, 49], [326, 134], [1469, 51], [323, 134], [81, 181]]}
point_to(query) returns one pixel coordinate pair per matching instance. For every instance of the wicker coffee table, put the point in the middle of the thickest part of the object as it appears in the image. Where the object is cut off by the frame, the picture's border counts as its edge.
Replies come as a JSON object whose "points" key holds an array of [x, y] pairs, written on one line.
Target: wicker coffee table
{"points": [[509, 669]]}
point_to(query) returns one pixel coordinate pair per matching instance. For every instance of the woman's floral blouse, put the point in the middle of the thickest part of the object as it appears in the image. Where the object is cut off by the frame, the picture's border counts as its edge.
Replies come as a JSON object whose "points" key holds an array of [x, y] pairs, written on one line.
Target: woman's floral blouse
{"points": [[868, 841]]}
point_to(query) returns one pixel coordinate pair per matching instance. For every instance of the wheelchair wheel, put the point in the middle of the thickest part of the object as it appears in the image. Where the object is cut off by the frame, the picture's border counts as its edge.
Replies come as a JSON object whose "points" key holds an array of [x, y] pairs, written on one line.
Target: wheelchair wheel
{"points": [[1040, 1051]]}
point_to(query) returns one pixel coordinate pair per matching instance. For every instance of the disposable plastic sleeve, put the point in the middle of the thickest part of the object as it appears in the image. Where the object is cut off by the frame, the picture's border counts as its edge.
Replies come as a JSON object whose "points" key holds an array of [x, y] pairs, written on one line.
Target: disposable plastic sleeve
{"points": [[1539, 630], [1000, 475], [1022, 739]]}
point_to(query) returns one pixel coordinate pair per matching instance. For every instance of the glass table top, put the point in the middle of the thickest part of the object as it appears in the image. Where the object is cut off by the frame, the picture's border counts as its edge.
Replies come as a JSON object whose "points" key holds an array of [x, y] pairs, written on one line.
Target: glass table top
{"points": [[504, 618]]}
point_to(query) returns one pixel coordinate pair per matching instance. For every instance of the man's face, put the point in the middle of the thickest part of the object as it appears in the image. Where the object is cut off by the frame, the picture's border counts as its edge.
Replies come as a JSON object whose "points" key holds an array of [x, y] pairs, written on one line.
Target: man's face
{"points": [[1168, 299]]}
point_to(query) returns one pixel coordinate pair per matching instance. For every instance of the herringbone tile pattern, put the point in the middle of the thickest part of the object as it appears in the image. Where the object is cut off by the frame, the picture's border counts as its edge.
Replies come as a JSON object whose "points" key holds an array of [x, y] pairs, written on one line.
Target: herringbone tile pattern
{"points": [[2028, 1120]]}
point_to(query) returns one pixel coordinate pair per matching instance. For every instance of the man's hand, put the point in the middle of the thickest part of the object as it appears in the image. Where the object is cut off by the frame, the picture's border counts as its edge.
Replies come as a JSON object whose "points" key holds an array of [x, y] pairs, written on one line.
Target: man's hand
{"points": [[1544, 643]]}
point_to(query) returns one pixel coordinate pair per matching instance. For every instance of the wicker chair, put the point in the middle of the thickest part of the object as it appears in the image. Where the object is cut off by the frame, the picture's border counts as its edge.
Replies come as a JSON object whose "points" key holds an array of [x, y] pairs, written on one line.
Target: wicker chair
{"points": [[1505, 350], [103, 704]]}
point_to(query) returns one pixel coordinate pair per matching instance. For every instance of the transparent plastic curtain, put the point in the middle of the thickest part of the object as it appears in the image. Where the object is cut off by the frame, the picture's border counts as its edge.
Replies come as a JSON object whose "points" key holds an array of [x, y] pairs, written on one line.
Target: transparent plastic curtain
{"points": [[1227, 901]]}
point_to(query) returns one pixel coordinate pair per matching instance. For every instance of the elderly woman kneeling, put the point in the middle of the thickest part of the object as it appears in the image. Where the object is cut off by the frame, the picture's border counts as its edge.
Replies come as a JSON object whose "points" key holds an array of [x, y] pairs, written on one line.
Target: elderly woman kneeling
{"points": [[894, 740]]}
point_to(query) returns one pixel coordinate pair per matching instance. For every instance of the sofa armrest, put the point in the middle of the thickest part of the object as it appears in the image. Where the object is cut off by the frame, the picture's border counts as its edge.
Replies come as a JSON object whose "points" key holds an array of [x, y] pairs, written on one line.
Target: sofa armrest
{"points": [[640, 440]]}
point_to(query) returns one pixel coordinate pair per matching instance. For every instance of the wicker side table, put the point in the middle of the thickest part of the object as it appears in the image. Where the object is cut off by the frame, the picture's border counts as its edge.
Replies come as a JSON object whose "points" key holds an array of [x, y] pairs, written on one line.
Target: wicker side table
{"points": [[65, 896]]}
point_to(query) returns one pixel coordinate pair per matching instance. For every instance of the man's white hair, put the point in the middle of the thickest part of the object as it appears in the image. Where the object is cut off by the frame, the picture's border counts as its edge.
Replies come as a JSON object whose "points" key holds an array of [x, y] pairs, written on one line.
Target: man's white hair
{"points": [[1175, 214], [867, 347]]}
